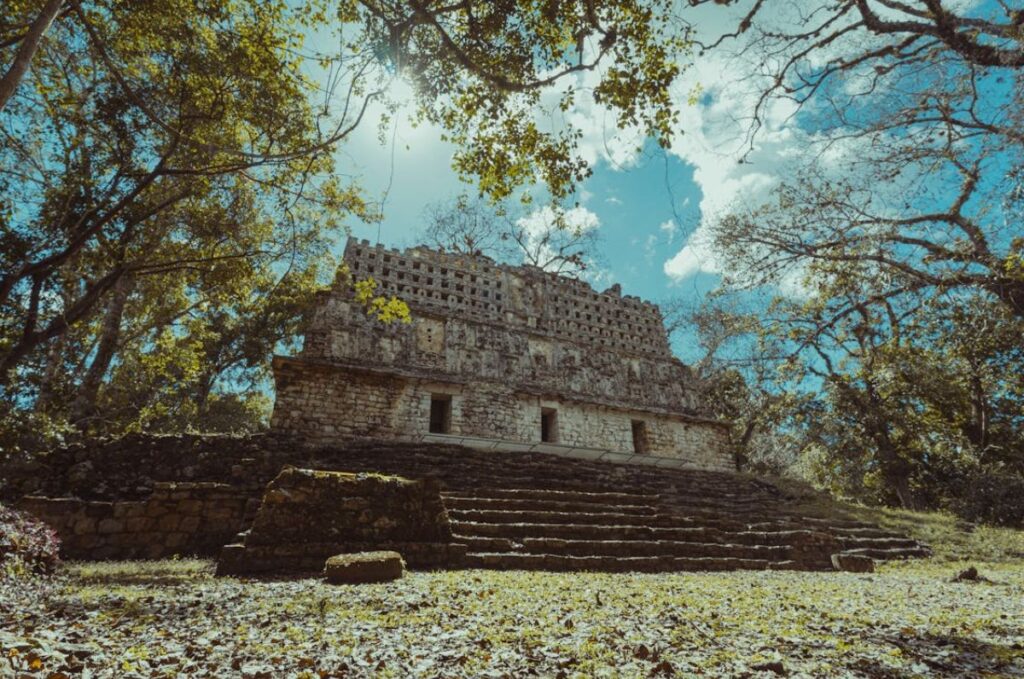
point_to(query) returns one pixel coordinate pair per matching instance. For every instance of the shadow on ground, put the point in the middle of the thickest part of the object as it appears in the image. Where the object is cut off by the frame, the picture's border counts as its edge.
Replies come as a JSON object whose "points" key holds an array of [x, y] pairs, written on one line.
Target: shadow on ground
{"points": [[943, 655]]}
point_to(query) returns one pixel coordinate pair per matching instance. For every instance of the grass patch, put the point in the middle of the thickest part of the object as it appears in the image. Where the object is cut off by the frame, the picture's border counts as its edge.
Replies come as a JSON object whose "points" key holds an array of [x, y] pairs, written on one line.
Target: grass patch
{"points": [[951, 538], [166, 571]]}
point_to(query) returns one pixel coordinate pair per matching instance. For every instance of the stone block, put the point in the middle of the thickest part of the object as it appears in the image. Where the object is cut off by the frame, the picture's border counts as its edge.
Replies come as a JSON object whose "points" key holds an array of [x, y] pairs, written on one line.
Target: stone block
{"points": [[364, 567], [134, 509], [84, 525], [854, 563], [99, 510], [156, 509], [107, 526], [176, 540], [168, 522], [189, 506]]}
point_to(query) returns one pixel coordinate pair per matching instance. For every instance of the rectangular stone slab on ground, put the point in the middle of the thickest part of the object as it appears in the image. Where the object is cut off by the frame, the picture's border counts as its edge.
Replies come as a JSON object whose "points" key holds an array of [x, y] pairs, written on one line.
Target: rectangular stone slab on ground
{"points": [[307, 516], [364, 567]]}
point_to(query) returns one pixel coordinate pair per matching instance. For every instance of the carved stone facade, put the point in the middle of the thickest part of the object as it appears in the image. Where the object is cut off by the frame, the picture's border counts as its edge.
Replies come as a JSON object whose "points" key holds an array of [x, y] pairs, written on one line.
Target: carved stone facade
{"points": [[494, 351]]}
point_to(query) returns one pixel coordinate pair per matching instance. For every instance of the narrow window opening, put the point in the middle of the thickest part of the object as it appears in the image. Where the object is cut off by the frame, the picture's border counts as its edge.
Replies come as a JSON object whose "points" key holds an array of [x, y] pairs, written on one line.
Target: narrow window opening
{"points": [[640, 442], [440, 413], [548, 425]]}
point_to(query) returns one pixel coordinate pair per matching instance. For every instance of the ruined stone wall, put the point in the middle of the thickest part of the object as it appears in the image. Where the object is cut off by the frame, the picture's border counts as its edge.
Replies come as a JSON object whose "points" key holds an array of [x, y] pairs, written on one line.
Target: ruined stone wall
{"points": [[323, 405], [474, 320], [468, 352], [522, 297], [177, 518], [129, 467], [327, 404], [500, 340], [307, 516]]}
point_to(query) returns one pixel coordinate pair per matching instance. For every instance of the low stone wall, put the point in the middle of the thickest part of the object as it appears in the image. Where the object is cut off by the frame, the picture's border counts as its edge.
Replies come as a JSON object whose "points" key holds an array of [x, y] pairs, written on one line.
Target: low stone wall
{"points": [[177, 518], [308, 516], [129, 467]]}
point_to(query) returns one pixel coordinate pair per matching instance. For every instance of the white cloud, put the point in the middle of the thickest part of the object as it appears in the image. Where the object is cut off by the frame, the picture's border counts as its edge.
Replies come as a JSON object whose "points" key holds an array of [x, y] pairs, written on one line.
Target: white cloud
{"points": [[687, 262], [714, 136], [650, 247], [541, 221], [670, 228]]}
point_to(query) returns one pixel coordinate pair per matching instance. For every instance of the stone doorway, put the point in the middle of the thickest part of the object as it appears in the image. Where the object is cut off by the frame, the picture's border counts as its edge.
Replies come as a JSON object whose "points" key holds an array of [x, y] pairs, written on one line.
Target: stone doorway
{"points": [[440, 414], [641, 444]]}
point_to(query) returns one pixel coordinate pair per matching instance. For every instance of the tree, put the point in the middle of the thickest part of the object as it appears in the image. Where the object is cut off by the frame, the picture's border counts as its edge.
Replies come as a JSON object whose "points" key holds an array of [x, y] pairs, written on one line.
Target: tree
{"points": [[894, 250], [479, 69], [922, 102], [736, 375], [132, 155], [562, 241], [467, 226]]}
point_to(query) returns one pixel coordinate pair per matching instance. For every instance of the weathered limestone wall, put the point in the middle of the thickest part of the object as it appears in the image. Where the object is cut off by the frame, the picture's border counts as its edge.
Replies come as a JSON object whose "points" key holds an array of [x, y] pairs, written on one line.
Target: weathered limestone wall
{"points": [[178, 518], [464, 350], [307, 516], [327, 404], [129, 467], [519, 297]]}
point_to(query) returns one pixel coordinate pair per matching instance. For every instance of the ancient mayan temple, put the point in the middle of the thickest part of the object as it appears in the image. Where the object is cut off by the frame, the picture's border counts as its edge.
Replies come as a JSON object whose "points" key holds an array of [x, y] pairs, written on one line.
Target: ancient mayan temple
{"points": [[494, 353]]}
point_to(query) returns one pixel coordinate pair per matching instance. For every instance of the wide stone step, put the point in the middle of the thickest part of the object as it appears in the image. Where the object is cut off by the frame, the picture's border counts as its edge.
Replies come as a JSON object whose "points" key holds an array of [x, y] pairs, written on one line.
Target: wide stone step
{"points": [[918, 552], [517, 531], [522, 516], [878, 543], [835, 523], [477, 543], [502, 502], [488, 504], [653, 548], [520, 532], [870, 533], [590, 497], [645, 564]]}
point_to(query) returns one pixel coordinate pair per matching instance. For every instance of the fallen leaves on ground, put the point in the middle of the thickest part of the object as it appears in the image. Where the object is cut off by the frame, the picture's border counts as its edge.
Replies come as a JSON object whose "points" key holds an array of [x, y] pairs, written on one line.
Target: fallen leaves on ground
{"points": [[173, 618]]}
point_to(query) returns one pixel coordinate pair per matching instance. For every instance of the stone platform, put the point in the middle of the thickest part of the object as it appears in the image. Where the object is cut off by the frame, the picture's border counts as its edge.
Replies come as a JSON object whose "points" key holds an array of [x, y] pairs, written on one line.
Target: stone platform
{"points": [[506, 509]]}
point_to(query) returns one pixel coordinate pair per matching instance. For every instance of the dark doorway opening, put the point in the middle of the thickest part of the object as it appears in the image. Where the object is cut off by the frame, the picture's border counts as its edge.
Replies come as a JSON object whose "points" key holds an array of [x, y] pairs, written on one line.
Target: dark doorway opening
{"points": [[548, 425], [640, 443], [440, 413]]}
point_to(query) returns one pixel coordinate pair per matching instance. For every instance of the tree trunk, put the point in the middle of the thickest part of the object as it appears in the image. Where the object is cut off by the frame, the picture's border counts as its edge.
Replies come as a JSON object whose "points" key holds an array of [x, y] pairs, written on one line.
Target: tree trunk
{"points": [[84, 405], [27, 50], [901, 485], [31, 339], [54, 366]]}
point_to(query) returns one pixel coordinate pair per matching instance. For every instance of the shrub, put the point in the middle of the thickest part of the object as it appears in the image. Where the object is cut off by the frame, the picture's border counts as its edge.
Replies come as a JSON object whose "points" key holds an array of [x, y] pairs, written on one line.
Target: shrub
{"points": [[26, 544], [990, 495]]}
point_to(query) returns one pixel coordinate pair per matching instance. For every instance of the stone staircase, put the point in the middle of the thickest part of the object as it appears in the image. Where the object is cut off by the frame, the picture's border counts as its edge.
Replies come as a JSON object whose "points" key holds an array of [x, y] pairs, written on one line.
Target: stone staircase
{"points": [[572, 530], [540, 512]]}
